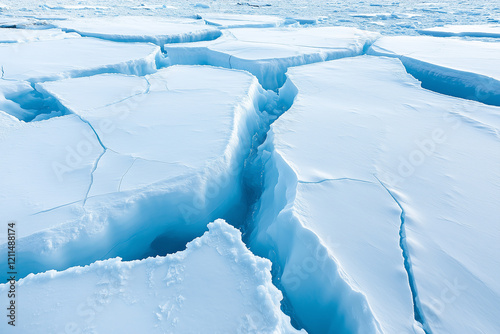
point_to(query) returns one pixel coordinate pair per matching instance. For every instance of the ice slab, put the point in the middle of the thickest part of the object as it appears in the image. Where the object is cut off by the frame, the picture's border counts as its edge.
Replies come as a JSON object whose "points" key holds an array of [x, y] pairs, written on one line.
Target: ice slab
{"points": [[467, 69], [268, 53], [479, 30], [9, 35], [389, 178], [74, 57], [146, 164], [216, 285], [222, 20], [40, 144], [157, 30]]}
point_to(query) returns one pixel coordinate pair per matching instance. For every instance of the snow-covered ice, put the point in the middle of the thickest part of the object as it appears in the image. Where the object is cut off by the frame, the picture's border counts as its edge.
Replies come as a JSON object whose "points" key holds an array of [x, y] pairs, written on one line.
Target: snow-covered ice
{"points": [[486, 30], [56, 59], [137, 158], [242, 21], [268, 53], [400, 188], [157, 30], [216, 285], [467, 69]]}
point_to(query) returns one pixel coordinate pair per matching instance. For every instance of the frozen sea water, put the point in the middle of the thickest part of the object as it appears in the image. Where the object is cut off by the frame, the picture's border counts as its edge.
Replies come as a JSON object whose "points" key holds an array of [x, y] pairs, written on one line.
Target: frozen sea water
{"points": [[374, 195]]}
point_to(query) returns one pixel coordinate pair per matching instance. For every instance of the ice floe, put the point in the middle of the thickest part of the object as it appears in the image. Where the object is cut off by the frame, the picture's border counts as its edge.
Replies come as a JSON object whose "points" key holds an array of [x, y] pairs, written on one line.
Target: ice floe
{"points": [[56, 59], [157, 30], [388, 192], [268, 53], [242, 21], [467, 69], [486, 30], [216, 285]]}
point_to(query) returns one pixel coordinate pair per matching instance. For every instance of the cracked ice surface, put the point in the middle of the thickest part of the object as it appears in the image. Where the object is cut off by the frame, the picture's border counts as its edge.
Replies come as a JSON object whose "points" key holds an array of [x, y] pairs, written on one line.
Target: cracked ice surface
{"points": [[157, 30], [131, 180], [437, 158], [479, 30], [268, 53], [215, 286], [466, 69]]}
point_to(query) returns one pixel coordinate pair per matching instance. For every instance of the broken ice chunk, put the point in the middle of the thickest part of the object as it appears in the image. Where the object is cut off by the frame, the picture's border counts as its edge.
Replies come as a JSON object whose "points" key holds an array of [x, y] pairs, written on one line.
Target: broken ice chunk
{"points": [[466, 69], [216, 281], [486, 30], [74, 57], [157, 30], [223, 20]]}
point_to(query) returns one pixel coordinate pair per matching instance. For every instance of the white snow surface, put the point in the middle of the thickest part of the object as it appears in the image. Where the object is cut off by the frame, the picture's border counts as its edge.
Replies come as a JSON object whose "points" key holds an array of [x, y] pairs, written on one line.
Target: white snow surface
{"points": [[216, 285], [157, 30], [467, 69], [268, 52], [400, 175], [477, 30]]}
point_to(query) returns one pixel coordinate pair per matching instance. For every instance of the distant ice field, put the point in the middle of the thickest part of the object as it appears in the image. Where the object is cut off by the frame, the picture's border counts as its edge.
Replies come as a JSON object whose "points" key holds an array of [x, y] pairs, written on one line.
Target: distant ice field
{"points": [[386, 16]]}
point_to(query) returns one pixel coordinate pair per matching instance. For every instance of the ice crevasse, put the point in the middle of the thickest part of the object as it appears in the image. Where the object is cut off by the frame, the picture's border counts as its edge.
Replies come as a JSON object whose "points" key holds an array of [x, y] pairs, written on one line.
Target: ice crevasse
{"points": [[118, 176], [369, 211]]}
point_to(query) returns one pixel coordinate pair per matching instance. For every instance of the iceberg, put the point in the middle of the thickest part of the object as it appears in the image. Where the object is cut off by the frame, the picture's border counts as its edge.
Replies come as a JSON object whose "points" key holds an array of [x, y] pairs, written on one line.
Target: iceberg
{"points": [[268, 53], [466, 69], [379, 202], [156, 30], [137, 166], [216, 281], [478, 30]]}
